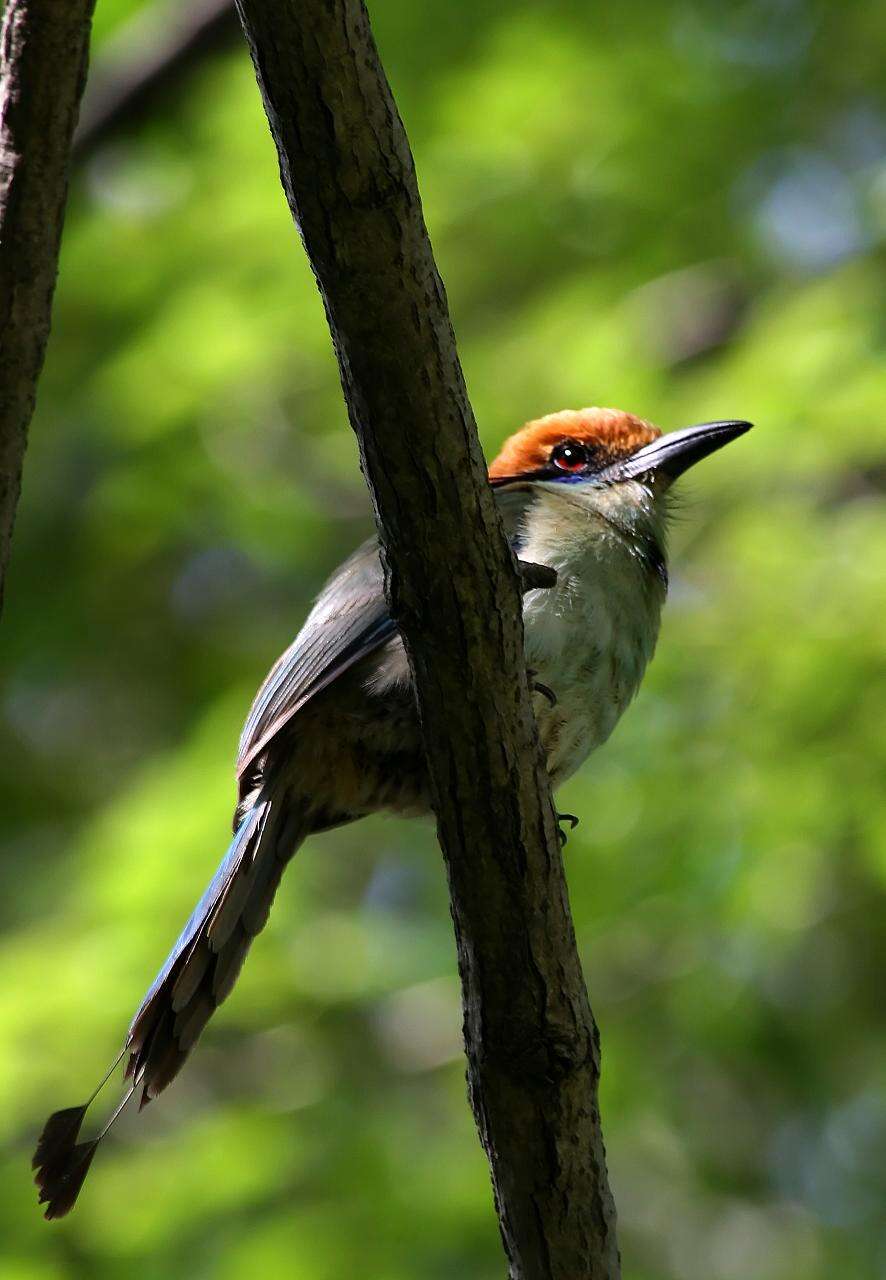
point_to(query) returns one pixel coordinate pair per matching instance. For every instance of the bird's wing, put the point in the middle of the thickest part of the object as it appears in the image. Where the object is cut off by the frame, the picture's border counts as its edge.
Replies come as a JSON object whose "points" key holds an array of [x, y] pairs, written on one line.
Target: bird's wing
{"points": [[514, 501], [349, 619]]}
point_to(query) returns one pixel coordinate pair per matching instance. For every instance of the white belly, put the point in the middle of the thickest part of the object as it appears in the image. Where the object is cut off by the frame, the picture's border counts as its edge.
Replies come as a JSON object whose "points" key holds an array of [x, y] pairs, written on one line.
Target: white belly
{"points": [[589, 639]]}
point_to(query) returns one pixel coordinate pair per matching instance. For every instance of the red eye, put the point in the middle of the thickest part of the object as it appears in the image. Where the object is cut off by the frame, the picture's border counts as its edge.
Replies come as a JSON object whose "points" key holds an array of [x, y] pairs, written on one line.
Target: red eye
{"points": [[570, 457]]}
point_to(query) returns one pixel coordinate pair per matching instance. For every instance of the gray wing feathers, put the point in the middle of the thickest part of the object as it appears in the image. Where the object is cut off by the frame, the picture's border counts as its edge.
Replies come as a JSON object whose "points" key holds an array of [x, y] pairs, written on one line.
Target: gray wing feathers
{"points": [[349, 619]]}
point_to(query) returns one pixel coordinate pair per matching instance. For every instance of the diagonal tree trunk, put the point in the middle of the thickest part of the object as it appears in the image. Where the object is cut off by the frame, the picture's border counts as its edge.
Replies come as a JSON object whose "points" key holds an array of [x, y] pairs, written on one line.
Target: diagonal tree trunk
{"points": [[532, 1046], [44, 47]]}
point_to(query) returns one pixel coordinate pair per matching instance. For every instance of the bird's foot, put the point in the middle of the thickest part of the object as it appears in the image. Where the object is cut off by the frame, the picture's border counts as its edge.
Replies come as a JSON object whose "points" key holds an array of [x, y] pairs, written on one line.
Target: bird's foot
{"points": [[537, 687], [533, 576], [565, 817]]}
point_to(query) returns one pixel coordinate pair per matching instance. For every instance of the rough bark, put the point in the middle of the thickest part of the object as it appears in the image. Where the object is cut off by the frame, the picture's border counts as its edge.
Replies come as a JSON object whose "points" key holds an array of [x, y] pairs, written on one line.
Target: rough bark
{"points": [[44, 47], [531, 1042]]}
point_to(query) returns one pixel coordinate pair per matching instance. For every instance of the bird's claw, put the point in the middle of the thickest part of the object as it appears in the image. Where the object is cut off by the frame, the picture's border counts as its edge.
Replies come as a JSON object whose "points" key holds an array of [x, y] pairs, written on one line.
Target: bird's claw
{"points": [[534, 576], [565, 817], [545, 690]]}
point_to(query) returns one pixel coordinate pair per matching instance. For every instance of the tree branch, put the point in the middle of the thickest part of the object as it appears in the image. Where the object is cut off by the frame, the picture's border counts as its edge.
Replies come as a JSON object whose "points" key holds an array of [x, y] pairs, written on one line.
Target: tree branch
{"points": [[44, 47], [532, 1048], [144, 59]]}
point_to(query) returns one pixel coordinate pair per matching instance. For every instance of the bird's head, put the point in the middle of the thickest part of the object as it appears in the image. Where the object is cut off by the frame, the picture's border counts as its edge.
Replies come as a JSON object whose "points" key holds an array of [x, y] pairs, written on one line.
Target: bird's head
{"points": [[612, 465], [605, 447]]}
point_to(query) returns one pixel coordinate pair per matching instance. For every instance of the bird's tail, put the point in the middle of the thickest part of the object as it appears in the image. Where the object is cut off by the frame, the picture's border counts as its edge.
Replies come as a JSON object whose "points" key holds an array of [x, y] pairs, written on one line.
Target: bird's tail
{"points": [[199, 973]]}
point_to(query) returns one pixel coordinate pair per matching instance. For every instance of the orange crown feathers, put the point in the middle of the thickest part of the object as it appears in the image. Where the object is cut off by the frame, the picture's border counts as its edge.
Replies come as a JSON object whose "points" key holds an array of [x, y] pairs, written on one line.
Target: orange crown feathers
{"points": [[613, 433]]}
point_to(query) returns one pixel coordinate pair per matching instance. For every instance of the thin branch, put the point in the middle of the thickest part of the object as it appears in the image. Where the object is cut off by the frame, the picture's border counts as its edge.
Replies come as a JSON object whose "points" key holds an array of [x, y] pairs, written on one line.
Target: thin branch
{"points": [[144, 59], [533, 1056], [44, 47]]}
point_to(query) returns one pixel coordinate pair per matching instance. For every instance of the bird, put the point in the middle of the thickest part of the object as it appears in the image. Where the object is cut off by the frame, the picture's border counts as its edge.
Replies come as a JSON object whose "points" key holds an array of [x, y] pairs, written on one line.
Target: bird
{"points": [[333, 732]]}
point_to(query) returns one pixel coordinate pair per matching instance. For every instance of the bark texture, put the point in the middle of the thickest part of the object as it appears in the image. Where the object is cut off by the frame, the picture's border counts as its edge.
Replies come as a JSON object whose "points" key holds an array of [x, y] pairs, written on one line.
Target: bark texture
{"points": [[532, 1046], [44, 47]]}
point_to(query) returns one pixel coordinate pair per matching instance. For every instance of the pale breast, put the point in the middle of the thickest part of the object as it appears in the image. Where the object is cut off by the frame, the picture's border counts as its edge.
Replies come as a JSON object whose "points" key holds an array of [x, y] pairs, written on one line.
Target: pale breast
{"points": [[589, 639]]}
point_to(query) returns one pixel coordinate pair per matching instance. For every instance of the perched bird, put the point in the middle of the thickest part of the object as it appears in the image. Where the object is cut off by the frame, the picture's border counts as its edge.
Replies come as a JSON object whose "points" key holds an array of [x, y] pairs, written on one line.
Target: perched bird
{"points": [[333, 733]]}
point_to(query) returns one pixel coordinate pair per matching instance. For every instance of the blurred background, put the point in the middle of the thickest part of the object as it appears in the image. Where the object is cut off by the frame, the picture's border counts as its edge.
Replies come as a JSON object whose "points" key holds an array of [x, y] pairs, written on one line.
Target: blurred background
{"points": [[677, 208]]}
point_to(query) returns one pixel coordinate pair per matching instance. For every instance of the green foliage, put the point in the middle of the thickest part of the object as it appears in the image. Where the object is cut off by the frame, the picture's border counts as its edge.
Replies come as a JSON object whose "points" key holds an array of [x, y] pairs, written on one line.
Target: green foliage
{"points": [[676, 208]]}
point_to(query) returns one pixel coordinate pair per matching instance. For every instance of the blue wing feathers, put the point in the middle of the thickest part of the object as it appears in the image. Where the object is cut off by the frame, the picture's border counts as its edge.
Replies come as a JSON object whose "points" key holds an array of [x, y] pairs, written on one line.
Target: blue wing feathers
{"points": [[227, 869]]}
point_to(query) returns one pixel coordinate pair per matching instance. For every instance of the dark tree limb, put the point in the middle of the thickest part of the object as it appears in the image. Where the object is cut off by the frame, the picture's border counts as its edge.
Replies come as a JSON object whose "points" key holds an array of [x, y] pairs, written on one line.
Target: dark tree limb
{"points": [[44, 47], [533, 1056], [144, 60]]}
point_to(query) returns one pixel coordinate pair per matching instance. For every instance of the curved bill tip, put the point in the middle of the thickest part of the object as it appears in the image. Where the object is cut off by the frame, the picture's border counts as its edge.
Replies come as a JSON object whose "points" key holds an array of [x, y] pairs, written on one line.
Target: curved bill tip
{"points": [[672, 454]]}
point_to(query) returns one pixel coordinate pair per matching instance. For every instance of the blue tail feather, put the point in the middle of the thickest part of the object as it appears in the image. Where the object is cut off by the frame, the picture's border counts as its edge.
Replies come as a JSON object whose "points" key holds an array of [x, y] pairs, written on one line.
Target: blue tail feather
{"points": [[227, 869]]}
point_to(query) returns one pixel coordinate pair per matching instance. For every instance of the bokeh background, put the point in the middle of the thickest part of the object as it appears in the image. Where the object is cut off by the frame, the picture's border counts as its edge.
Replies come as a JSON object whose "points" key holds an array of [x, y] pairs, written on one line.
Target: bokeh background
{"points": [[678, 208]]}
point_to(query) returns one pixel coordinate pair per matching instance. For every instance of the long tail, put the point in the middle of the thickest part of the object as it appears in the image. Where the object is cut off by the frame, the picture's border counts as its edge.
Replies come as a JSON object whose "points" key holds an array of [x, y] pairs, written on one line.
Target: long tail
{"points": [[198, 975]]}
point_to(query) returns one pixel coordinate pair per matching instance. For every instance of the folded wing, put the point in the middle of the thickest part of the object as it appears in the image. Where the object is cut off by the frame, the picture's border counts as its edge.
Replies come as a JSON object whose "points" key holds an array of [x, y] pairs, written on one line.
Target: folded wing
{"points": [[349, 620]]}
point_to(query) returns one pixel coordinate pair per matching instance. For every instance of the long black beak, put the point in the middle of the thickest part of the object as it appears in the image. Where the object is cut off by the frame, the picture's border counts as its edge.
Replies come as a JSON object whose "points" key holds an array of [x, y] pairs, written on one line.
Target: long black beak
{"points": [[674, 453]]}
